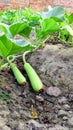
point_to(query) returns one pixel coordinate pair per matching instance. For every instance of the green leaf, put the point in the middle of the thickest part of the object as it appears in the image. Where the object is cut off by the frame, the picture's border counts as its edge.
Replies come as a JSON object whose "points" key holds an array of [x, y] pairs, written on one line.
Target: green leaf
{"points": [[57, 19], [48, 26], [3, 49], [58, 12], [5, 46], [21, 45], [8, 46], [18, 27]]}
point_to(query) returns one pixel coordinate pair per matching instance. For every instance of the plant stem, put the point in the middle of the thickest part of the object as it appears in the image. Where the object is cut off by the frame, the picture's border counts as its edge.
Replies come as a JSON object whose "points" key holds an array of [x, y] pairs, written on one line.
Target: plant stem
{"points": [[25, 53], [1, 62]]}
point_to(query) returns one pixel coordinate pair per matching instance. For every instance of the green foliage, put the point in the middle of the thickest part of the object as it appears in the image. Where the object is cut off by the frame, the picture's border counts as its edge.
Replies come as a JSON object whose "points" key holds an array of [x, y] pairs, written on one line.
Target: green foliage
{"points": [[8, 16], [9, 46], [24, 22], [48, 26], [11, 16], [18, 27]]}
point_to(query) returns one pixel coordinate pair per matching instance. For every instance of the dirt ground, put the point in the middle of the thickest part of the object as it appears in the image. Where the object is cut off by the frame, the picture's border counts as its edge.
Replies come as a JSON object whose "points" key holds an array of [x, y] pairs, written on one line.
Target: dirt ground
{"points": [[52, 109]]}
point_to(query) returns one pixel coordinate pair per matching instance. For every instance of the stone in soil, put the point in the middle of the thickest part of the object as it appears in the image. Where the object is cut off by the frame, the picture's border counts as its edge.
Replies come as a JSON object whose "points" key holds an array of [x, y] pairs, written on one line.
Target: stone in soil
{"points": [[2, 121], [53, 91], [22, 126], [34, 125], [70, 121], [58, 127], [66, 107], [39, 98], [62, 113], [62, 100], [3, 125]]}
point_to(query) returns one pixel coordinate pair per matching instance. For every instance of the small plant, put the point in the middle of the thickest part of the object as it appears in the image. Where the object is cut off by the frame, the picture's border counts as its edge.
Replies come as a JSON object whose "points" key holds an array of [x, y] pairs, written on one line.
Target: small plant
{"points": [[44, 24]]}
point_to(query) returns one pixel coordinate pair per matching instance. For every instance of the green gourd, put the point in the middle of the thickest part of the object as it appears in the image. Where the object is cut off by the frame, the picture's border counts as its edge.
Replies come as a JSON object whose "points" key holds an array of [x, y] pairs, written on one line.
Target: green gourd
{"points": [[18, 75], [35, 81]]}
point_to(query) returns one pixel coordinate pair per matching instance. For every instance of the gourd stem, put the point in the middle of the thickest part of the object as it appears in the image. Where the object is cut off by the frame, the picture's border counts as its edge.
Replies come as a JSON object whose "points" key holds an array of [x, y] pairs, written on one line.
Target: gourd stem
{"points": [[25, 53]]}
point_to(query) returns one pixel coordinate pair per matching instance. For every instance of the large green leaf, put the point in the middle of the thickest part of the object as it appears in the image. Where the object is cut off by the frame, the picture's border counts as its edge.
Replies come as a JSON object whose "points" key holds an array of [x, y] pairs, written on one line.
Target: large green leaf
{"points": [[3, 50], [4, 28], [21, 45], [18, 27], [5, 45], [8, 46], [58, 12], [48, 26]]}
